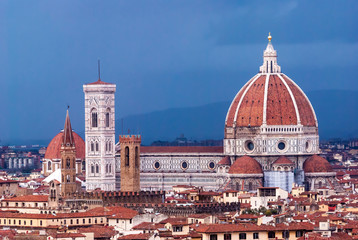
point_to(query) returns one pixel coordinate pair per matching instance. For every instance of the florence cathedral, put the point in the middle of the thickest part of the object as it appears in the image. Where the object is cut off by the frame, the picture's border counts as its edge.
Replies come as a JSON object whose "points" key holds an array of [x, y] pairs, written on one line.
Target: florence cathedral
{"points": [[270, 139]]}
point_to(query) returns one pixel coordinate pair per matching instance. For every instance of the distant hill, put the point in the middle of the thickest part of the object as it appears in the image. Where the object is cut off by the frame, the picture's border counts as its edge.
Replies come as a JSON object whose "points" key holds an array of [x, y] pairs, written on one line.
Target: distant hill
{"points": [[336, 110]]}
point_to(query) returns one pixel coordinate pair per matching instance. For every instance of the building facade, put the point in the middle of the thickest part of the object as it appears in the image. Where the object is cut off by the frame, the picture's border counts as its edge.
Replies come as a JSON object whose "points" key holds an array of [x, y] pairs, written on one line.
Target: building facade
{"points": [[100, 139]]}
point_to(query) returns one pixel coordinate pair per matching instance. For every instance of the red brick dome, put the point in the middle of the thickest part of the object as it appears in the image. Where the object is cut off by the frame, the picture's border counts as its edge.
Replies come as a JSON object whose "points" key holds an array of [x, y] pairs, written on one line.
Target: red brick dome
{"points": [[316, 163], [271, 98], [282, 160], [246, 165], [53, 149]]}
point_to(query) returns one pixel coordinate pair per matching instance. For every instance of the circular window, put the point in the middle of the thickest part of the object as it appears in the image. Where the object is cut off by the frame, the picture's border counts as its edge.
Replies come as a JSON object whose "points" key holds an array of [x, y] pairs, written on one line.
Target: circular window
{"points": [[281, 146], [184, 165], [249, 145], [211, 165], [156, 165]]}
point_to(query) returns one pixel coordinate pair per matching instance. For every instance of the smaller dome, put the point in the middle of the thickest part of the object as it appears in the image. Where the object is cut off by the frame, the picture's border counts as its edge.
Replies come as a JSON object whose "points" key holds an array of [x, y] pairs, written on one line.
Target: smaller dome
{"points": [[246, 165], [225, 161], [316, 163], [54, 147], [283, 161]]}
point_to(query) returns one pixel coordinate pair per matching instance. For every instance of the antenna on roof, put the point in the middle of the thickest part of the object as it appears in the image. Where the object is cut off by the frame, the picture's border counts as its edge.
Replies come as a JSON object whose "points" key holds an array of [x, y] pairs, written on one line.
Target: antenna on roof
{"points": [[99, 69]]}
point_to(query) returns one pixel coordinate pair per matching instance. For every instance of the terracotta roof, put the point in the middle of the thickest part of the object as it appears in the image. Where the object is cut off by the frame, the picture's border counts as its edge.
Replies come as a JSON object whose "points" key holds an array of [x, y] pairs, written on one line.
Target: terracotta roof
{"points": [[100, 232], [54, 147], [141, 236], [181, 149], [225, 161], [316, 163], [247, 108], [99, 82], [221, 228], [28, 198], [67, 235], [283, 160], [8, 181], [148, 226], [245, 165]]}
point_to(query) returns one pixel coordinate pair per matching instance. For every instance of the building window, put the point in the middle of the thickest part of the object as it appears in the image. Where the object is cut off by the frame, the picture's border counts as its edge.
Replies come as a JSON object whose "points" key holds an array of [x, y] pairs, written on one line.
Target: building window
{"points": [[255, 235], [107, 118], [285, 234], [97, 147], [213, 237], [40, 222], [68, 163], [271, 235], [126, 152], [227, 236], [94, 119], [49, 165], [92, 146], [83, 221], [299, 233], [242, 236], [97, 168], [136, 157], [177, 228], [92, 169]]}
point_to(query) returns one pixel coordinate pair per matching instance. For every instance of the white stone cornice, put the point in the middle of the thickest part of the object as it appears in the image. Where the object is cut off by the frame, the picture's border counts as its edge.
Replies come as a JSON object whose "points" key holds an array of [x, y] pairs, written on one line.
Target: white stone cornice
{"points": [[264, 117]]}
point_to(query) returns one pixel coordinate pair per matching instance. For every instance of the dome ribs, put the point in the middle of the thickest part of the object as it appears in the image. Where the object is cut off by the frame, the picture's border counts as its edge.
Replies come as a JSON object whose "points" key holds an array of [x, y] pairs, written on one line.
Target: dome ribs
{"points": [[53, 149], [231, 114], [251, 108], [280, 108], [304, 107]]}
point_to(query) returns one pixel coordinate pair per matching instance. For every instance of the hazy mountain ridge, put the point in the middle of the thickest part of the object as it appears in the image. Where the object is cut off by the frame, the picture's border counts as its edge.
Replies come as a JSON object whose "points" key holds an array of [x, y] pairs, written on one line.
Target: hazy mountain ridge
{"points": [[336, 111]]}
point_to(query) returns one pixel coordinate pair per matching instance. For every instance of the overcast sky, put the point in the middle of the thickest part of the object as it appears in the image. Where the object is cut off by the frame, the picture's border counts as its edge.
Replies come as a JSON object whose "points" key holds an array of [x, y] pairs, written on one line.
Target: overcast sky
{"points": [[161, 54]]}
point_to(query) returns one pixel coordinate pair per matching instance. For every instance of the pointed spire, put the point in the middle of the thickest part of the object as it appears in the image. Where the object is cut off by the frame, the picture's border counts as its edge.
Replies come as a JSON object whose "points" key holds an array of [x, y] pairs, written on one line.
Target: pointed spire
{"points": [[270, 59], [67, 132]]}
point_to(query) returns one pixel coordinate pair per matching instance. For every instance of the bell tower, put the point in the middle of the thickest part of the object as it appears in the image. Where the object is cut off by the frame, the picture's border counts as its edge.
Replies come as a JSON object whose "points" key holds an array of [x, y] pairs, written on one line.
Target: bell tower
{"points": [[130, 163], [99, 131], [68, 160]]}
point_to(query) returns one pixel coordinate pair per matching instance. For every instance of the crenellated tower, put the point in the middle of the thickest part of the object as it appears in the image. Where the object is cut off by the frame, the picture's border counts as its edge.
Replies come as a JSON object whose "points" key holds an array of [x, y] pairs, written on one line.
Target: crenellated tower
{"points": [[100, 139], [130, 163]]}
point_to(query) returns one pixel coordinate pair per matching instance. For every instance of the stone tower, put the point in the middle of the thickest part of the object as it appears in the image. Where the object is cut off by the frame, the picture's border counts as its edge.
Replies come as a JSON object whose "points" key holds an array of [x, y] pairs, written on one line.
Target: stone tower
{"points": [[130, 163], [68, 160], [99, 131]]}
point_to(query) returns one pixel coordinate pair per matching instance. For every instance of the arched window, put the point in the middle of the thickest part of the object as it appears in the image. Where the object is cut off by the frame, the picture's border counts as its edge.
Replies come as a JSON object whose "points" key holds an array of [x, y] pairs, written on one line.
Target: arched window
{"points": [[106, 168], [97, 168], [68, 163], [49, 165], [110, 168], [97, 147], [94, 118], [92, 169], [68, 179], [107, 117], [126, 152], [250, 186], [106, 146], [136, 157], [319, 184], [92, 146]]}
